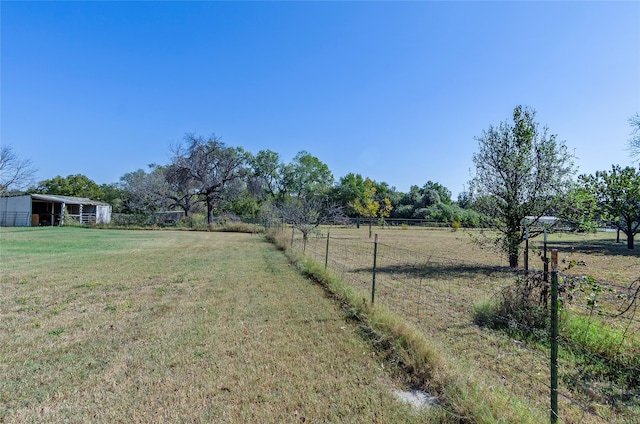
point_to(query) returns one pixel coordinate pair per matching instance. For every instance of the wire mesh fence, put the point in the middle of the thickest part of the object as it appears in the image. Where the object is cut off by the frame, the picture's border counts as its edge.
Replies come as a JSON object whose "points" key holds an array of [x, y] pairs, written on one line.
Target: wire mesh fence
{"points": [[447, 292]]}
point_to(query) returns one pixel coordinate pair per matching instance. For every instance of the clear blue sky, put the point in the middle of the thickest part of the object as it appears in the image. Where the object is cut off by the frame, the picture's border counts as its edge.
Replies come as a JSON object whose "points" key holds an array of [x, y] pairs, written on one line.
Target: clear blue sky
{"points": [[393, 91]]}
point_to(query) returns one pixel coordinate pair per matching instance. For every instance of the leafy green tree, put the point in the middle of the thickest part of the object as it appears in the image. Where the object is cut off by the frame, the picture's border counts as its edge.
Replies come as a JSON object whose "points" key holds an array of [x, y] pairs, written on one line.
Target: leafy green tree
{"points": [[442, 212], [305, 198], [464, 200], [403, 211], [473, 219], [408, 203], [245, 205], [617, 194], [436, 193], [349, 188], [77, 185], [306, 176], [413, 197], [114, 195], [145, 191], [520, 171], [266, 168], [418, 199], [430, 198], [384, 191], [579, 207], [368, 206]]}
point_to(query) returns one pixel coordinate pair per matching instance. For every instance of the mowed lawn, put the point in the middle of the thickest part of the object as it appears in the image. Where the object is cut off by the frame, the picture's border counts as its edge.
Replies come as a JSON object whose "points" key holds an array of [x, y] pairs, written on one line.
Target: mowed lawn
{"points": [[176, 326]]}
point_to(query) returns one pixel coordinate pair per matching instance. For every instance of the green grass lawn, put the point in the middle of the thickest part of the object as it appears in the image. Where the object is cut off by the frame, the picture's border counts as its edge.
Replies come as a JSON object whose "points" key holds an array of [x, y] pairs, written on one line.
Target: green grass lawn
{"points": [[177, 326]]}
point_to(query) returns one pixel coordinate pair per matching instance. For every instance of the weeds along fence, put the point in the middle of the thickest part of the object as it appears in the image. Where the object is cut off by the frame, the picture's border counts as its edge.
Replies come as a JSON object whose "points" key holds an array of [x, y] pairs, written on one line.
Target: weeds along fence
{"points": [[500, 320], [178, 218]]}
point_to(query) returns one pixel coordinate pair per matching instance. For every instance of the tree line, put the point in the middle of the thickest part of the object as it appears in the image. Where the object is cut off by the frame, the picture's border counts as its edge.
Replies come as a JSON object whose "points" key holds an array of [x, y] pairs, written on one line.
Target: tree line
{"points": [[207, 176], [522, 173]]}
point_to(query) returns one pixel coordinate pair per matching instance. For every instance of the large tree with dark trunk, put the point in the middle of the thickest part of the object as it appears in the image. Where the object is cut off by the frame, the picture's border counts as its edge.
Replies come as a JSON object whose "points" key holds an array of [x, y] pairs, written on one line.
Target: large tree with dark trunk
{"points": [[212, 167], [617, 195], [520, 171]]}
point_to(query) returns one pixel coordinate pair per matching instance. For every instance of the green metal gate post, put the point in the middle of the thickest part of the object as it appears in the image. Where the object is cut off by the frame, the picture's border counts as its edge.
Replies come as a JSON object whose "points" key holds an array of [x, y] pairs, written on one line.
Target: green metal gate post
{"points": [[554, 336], [375, 255], [526, 250], [545, 259], [326, 253]]}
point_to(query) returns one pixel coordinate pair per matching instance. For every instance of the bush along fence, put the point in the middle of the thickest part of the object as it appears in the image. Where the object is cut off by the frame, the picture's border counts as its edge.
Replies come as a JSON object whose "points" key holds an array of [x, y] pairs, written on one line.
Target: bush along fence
{"points": [[561, 341]]}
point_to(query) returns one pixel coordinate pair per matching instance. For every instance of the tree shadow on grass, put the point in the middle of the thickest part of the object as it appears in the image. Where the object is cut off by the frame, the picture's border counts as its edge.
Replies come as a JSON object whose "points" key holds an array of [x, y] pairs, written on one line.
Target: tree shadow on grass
{"points": [[596, 247], [444, 269]]}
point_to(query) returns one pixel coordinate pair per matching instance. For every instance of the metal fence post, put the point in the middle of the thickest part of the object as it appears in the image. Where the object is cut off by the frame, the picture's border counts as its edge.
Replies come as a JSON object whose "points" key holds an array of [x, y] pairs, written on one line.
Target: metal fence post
{"points": [[554, 336], [545, 259], [526, 250], [326, 253], [375, 255]]}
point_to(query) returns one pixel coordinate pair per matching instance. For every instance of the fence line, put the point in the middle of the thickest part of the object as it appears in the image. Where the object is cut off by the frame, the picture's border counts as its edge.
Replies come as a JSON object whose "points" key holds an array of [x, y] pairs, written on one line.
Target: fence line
{"points": [[439, 294]]}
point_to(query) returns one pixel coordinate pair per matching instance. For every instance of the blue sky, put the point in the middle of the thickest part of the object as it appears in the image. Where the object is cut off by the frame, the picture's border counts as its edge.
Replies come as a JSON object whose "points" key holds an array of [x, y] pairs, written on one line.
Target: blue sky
{"points": [[394, 91]]}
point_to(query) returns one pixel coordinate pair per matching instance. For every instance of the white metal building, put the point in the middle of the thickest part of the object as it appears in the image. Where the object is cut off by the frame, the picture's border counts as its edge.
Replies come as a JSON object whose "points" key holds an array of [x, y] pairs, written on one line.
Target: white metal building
{"points": [[32, 210]]}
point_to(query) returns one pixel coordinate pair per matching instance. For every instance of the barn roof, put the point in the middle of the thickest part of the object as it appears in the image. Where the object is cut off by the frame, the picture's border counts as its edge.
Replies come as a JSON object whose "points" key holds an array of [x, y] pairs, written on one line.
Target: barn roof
{"points": [[66, 199]]}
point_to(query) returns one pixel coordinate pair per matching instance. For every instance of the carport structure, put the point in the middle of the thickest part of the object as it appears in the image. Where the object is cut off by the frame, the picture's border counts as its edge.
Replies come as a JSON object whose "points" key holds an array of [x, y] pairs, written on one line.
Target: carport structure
{"points": [[32, 210]]}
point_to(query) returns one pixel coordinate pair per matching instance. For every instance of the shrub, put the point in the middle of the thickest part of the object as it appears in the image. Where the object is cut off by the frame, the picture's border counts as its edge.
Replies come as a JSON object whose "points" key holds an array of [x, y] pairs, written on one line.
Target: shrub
{"points": [[238, 227], [403, 211], [518, 308], [421, 213]]}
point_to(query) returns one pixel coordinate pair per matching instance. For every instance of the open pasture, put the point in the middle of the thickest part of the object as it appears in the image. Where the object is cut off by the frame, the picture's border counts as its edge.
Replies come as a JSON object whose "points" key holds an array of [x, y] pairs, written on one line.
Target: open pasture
{"points": [[176, 326], [436, 278]]}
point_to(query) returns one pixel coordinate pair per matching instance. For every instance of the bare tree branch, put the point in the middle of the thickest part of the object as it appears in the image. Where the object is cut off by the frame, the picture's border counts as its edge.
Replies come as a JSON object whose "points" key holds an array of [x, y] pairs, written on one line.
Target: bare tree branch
{"points": [[15, 173], [634, 141]]}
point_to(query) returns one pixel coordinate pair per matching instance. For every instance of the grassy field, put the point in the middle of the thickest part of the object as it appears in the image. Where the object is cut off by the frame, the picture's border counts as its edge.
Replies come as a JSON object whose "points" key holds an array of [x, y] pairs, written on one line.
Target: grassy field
{"points": [[437, 278], [177, 326]]}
